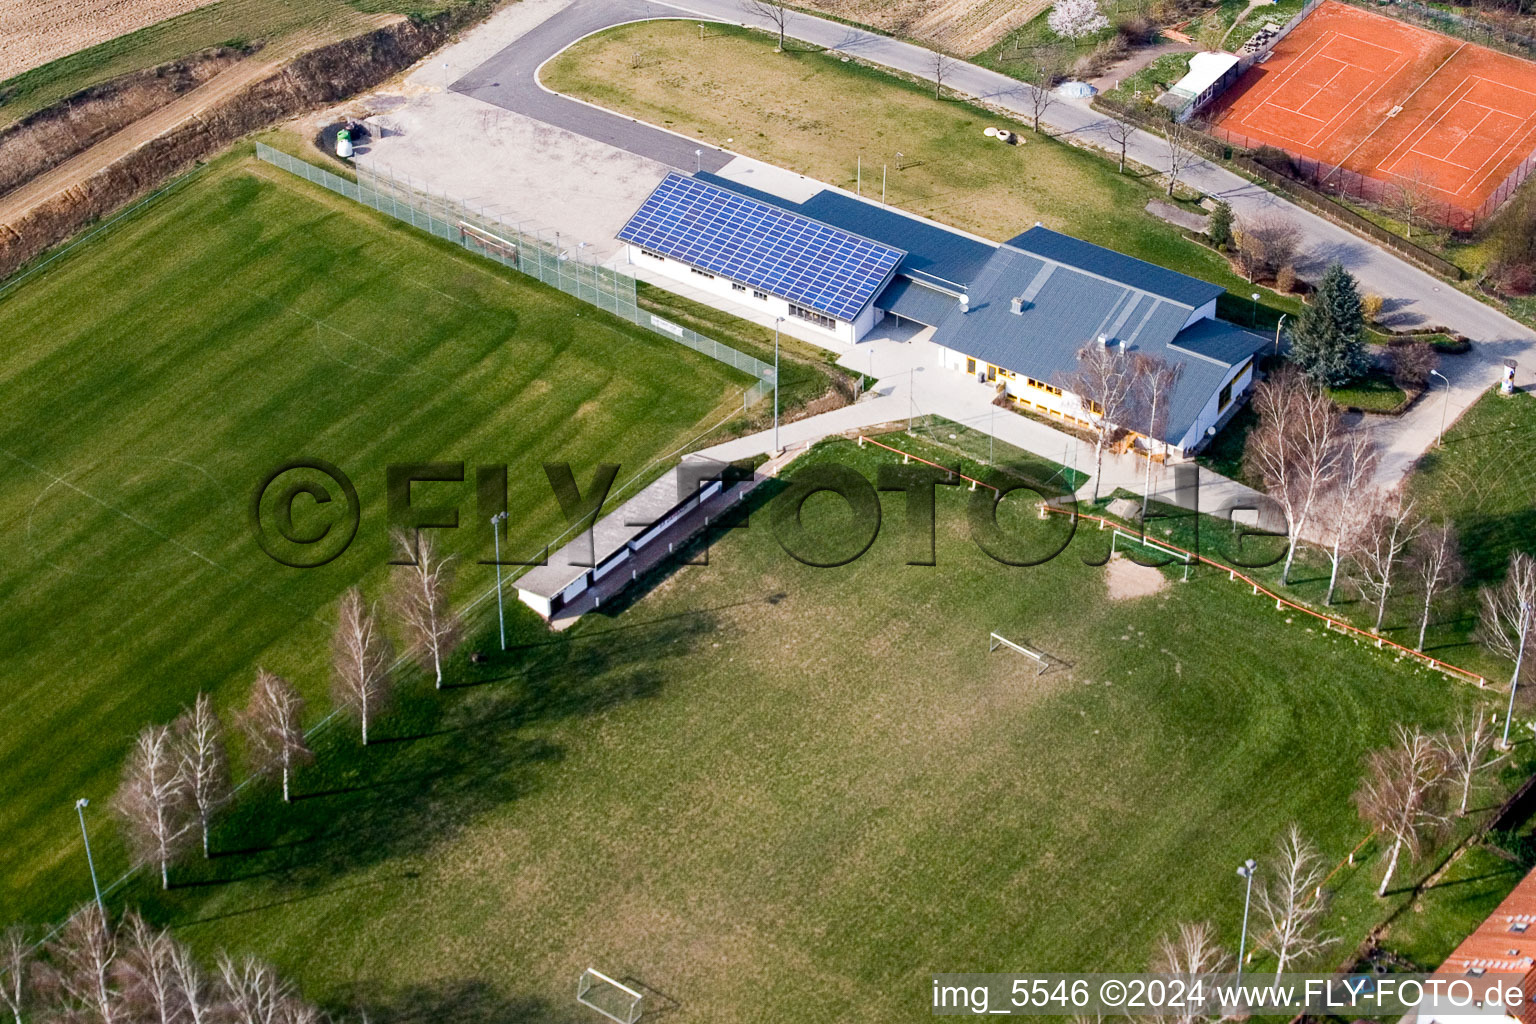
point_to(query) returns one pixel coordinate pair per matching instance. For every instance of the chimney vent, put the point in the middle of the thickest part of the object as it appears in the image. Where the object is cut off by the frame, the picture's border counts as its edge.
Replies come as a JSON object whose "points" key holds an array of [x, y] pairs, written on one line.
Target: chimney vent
{"points": [[1016, 305]]}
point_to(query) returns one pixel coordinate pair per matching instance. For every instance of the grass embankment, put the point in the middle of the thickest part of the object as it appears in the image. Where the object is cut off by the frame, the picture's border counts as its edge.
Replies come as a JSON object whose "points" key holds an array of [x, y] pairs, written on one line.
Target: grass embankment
{"points": [[157, 374], [775, 792], [278, 24], [810, 112]]}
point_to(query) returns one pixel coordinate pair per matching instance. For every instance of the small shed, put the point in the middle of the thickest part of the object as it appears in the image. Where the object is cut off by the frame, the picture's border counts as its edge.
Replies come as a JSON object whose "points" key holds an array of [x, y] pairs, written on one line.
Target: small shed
{"points": [[1209, 74]]}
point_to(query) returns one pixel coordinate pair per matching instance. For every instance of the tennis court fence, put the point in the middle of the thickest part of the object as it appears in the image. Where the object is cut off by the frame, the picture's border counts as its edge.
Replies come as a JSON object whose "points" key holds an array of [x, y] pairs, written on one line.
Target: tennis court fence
{"points": [[537, 255]]}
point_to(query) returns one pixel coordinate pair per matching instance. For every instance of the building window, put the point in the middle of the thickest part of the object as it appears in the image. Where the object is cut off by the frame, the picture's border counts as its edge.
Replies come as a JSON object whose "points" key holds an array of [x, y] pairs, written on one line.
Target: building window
{"points": [[1519, 927], [738, 287], [970, 365], [653, 255], [760, 296], [701, 273], [811, 316], [1225, 398], [1095, 408]]}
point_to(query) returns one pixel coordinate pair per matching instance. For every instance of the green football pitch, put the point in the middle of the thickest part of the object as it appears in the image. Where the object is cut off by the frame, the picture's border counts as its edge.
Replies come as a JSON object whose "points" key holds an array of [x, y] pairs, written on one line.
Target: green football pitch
{"points": [[154, 375]]}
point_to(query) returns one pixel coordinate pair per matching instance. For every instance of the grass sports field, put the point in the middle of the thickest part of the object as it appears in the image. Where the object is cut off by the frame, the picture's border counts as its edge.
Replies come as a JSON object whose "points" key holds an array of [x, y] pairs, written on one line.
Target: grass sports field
{"points": [[156, 374], [810, 112], [771, 792], [1405, 106]]}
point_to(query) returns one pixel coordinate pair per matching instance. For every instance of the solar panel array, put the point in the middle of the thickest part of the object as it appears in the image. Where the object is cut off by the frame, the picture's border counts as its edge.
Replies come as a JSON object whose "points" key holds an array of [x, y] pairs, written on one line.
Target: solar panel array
{"points": [[793, 257]]}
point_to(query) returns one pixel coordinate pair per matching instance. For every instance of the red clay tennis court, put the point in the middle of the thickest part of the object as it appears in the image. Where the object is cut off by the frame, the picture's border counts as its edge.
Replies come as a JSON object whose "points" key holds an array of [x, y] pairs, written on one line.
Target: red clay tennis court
{"points": [[1391, 102]]}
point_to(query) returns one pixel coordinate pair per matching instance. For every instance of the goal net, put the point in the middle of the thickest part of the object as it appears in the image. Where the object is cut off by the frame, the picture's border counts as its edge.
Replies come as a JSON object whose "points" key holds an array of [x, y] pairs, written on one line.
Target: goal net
{"points": [[482, 239], [612, 999], [1038, 657]]}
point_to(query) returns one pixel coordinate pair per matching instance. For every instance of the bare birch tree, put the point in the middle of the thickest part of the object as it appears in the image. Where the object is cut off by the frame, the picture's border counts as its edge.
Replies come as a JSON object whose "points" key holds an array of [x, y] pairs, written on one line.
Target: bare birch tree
{"points": [[15, 964], [154, 803], [1402, 796], [1295, 450], [942, 65], [777, 15], [272, 724], [1041, 96], [1467, 746], [360, 660], [1119, 133], [1391, 528], [1436, 562], [1190, 951], [204, 764], [1103, 382], [1347, 508], [1152, 394], [252, 992], [196, 994], [421, 602], [1292, 902], [1180, 156], [1507, 620], [146, 973], [76, 975]]}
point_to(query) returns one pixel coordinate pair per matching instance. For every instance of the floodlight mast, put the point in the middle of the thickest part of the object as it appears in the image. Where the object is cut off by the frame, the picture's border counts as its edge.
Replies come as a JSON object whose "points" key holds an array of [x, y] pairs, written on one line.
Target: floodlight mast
{"points": [[501, 617], [1245, 872], [80, 806]]}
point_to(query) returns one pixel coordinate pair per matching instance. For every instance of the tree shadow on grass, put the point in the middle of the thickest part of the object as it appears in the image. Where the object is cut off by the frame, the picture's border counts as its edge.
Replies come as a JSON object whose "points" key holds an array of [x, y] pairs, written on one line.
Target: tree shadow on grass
{"points": [[468, 753], [455, 1001]]}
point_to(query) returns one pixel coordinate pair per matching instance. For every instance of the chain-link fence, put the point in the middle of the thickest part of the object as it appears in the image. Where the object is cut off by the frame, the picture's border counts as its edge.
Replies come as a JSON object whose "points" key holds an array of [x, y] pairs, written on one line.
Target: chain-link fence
{"points": [[543, 258]]}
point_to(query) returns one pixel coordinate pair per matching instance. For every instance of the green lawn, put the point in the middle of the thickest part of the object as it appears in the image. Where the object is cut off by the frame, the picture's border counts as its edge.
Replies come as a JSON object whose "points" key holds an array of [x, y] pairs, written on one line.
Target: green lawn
{"points": [[812, 113], [1484, 480], [771, 792], [1156, 77], [277, 23], [155, 375], [1372, 393]]}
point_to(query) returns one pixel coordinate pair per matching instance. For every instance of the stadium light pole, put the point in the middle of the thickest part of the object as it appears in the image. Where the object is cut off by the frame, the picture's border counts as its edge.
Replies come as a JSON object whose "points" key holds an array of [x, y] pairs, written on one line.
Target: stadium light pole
{"points": [[80, 806], [776, 322], [1514, 680], [501, 617], [1246, 873], [1444, 406]]}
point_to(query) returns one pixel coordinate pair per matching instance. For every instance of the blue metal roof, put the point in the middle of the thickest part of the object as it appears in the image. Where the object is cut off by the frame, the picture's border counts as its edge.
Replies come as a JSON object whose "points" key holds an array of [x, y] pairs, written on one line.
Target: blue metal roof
{"points": [[1127, 270], [916, 301], [781, 252]]}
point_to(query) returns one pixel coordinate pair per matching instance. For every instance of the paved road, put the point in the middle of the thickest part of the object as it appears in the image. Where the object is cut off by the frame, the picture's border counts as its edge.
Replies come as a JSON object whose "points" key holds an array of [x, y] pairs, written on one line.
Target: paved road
{"points": [[509, 80], [1413, 296]]}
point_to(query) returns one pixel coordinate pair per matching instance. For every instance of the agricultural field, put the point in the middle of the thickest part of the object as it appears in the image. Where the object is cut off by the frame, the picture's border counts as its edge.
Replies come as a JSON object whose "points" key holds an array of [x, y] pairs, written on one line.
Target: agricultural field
{"points": [[818, 116], [115, 37], [156, 374], [764, 791], [963, 27]]}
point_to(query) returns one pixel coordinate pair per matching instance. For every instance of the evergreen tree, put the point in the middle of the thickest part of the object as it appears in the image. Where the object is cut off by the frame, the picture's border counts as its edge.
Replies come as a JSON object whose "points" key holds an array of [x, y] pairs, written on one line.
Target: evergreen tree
{"points": [[1219, 230], [1328, 341]]}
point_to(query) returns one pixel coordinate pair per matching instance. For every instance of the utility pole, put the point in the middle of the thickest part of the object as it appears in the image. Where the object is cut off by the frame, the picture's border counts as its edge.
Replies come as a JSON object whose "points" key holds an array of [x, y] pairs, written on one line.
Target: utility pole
{"points": [[1245, 872], [776, 448], [80, 806], [501, 617], [1514, 680]]}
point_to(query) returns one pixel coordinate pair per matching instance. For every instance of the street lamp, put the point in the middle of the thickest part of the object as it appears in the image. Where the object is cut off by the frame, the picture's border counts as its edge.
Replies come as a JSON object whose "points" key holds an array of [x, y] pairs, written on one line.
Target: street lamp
{"points": [[1255, 309], [1444, 406], [776, 323], [1280, 323], [496, 521], [1514, 680], [80, 806], [1246, 873]]}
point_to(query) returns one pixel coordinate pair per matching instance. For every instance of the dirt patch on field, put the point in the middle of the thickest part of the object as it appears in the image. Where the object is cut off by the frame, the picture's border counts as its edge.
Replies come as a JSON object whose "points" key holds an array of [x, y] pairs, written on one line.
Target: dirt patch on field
{"points": [[965, 27], [1128, 580], [48, 138], [34, 32]]}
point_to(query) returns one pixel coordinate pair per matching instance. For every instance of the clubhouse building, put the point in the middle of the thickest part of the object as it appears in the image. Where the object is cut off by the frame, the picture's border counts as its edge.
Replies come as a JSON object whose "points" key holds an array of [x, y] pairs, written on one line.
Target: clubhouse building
{"points": [[1013, 315]]}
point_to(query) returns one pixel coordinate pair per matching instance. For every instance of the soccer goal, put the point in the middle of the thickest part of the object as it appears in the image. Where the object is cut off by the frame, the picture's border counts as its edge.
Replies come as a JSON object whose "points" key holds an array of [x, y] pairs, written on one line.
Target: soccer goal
{"points": [[612, 999], [1038, 657], [493, 244], [1186, 559]]}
